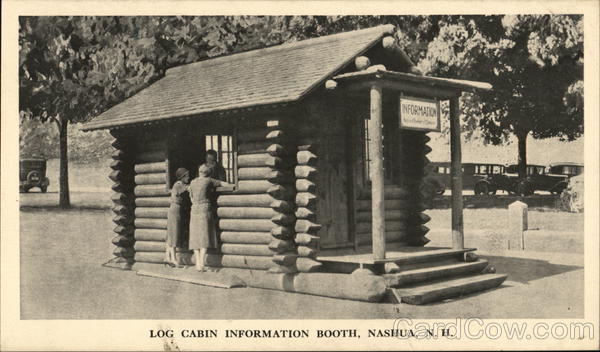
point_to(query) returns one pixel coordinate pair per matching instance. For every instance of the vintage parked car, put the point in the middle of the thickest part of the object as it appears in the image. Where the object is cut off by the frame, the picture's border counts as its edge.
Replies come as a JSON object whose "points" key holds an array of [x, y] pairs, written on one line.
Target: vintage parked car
{"points": [[472, 174], [32, 173], [553, 179]]}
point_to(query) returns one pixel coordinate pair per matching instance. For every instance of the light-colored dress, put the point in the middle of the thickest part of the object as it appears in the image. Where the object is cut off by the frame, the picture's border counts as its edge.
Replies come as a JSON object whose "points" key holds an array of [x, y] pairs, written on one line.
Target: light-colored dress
{"points": [[203, 231], [174, 216]]}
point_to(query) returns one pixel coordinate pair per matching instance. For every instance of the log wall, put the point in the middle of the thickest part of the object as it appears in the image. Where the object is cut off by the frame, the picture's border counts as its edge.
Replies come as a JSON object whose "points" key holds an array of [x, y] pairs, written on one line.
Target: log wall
{"points": [[257, 219], [151, 191], [122, 175]]}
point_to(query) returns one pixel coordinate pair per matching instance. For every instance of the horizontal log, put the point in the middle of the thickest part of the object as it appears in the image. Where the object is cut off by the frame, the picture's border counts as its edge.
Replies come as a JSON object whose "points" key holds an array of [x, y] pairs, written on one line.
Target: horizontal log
{"points": [[150, 235], [304, 251], [150, 156], [253, 200], [281, 192], [416, 231], [254, 173], [306, 214], [152, 212], [117, 164], [118, 154], [305, 199], [119, 175], [123, 252], [123, 219], [365, 215], [270, 148], [280, 246], [389, 193], [417, 241], [260, 134], [152, 202], [146, 168], [305, 157], [253, 187], [246, 213], [282, 232], [365, 227], [288, 258], [283, 219], [151, 191], [246, 225], [246, 249], [143, 223], [391, 204], [123, 241], [149, 246], [122, 187], [282, 269], [246, 237], [121, 198], [117, 144], [306, 239], [396, 236], [254, 160], [310, 147], [123, 230], [255, 213], [306, 226], [305, 171], [418, 219], [307, 265], [239, 261], [304, 185], [122, 209], [151, 179]]}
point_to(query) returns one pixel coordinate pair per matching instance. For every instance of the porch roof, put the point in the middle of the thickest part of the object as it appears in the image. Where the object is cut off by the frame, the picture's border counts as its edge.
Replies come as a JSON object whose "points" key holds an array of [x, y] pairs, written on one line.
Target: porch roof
{"points": [[279, 74], [434, 82]]}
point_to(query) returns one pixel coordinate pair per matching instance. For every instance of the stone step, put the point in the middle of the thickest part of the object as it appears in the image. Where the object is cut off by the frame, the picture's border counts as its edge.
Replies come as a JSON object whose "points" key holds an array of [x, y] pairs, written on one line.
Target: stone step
{"points": [[440, 290], [190, 275], [427, 273]]}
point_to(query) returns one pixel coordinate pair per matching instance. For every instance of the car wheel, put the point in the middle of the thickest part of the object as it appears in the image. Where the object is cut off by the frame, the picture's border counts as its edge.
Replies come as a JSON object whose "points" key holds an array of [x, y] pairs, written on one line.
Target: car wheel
{"points": [[558, 189], [524, 189], [481, 188]]}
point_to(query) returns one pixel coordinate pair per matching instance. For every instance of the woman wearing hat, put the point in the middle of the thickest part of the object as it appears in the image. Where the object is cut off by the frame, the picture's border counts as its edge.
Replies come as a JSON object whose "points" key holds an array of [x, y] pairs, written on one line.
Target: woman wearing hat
{"points": [[174, 216], [203, 232]]}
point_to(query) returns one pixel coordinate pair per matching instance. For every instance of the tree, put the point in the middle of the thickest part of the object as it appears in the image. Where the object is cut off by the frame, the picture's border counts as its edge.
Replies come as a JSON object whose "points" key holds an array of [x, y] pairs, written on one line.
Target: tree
{"points": [[52, 68], [535, 64]]}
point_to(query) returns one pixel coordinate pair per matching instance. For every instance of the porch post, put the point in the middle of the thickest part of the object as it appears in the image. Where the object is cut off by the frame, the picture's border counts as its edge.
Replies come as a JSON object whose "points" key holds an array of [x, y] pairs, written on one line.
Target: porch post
{"points": [[377, 178], [458, 241]]}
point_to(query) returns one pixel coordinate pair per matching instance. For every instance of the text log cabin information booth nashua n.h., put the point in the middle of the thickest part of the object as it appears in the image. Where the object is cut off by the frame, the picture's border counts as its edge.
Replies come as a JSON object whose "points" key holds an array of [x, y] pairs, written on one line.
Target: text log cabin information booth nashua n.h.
{"points": [[325, 140]]}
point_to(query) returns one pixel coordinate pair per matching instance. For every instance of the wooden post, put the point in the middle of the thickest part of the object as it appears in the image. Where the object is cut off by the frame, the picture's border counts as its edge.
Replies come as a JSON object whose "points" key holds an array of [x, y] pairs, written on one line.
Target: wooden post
{"points": [[377, 177], [517, 224], [458, 241]]}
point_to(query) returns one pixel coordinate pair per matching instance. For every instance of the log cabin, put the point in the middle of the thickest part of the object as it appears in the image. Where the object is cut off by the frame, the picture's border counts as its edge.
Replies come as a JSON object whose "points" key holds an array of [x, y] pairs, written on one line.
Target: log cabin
{"points": [[326, 141]]}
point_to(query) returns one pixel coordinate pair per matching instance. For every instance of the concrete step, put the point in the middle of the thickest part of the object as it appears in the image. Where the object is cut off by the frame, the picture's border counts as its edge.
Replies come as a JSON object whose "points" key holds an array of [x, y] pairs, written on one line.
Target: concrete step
{"points": [[440, 290], [428, 273]]}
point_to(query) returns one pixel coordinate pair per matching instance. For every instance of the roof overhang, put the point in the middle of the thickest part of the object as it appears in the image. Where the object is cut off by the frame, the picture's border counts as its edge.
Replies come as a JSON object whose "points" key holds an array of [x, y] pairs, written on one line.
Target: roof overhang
{"points": [[441, 88]]}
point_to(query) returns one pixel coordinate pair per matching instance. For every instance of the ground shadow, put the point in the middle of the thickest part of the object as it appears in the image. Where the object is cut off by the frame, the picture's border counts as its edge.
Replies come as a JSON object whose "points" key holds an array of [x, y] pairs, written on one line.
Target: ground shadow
{"points": [[524, 270]]}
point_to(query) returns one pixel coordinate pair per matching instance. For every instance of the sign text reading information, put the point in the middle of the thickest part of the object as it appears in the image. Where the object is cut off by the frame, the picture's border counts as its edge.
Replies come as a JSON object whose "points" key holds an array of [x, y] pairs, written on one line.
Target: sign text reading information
{"points": [[419, 114]]}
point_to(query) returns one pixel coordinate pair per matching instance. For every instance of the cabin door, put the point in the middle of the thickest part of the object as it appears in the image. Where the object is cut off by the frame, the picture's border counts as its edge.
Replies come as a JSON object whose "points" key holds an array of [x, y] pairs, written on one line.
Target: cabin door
{"points": [[360, 162]]}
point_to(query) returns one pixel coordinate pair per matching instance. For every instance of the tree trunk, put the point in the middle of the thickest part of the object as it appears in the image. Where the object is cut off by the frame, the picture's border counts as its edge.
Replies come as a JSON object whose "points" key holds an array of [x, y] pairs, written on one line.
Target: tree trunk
{"points": [[522, 143], [64, 198]]}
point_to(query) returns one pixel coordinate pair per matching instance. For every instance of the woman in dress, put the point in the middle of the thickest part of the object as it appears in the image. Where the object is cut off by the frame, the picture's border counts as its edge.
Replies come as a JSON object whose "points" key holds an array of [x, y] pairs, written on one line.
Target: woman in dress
{"points": [[174, 216], [203, 232]]}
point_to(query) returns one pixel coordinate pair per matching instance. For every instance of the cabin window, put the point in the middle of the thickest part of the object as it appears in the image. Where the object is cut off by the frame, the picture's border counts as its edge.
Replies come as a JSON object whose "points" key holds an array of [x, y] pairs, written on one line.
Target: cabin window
{"points": [[224, 146]]}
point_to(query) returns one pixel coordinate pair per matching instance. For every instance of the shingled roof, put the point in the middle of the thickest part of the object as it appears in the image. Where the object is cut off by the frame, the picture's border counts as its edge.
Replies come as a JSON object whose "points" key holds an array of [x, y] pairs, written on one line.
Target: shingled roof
{"points": [[278, 74]]}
